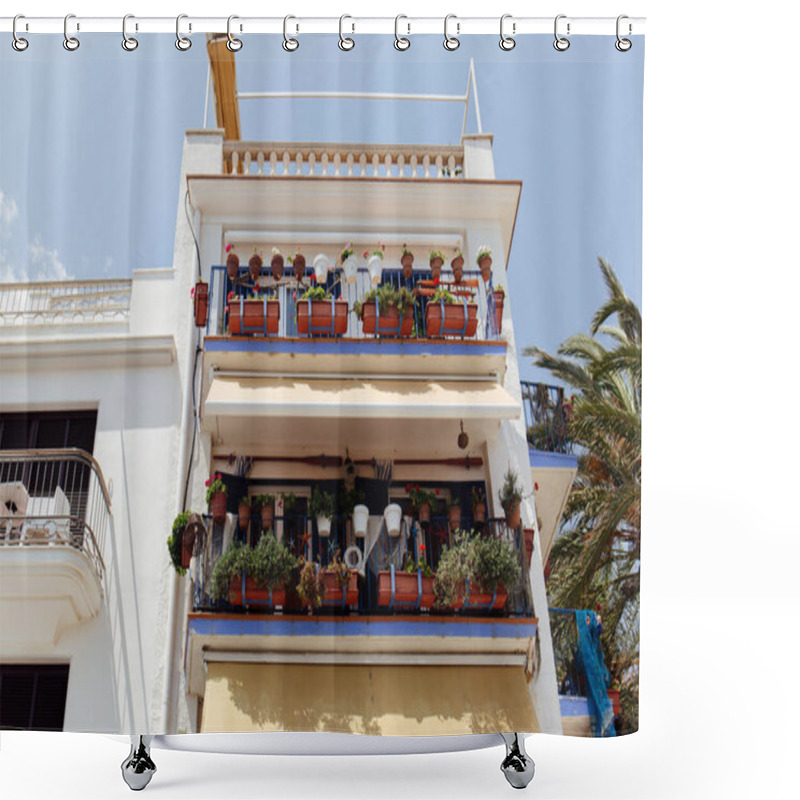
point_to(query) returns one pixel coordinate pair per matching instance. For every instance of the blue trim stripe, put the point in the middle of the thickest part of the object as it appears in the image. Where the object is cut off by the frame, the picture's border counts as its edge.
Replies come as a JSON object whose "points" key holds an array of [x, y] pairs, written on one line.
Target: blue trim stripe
{"points": [[541, 458], [276, 626], [573, 706]]}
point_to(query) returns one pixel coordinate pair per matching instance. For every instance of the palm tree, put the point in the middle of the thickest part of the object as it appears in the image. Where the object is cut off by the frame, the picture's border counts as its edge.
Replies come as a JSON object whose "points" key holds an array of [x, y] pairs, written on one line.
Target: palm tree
{"points": [[595, 558]]}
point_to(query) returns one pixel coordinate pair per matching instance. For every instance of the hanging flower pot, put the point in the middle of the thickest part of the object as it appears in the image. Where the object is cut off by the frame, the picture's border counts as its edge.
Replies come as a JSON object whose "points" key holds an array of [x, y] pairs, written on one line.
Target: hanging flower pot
{"points": [[299, 267], [244, 515], [200, 295], [267, 516], [479, 512], [454, 517], [254, 265], [375, 267], [321, 263], [407, 259], [321, 317], [513, 514], [350, 267], [324, 526], [485, 263], [436, 261], [232, 265], [261, 316], [424, 512], [276, 265], [360, 520], [393, 516], [444, 318], [219, 506], [457, 265]]}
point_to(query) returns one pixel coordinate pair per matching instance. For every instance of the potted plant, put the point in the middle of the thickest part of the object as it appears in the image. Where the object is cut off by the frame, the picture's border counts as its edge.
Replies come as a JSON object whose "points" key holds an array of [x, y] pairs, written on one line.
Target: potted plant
{"points": [[200, 298], [478, 504], [511, 498], [484, 261], [180, 551], [406, 257], [322, 505], [231, 565], [321, 266], [318, 312], [411, 586], [437, 260], [386, 311], [421, 500], [254, 265], [276, 264], [232, 263], [265, 503], [447, 315], [499, 296], [340, 582], [454, 513], [457, 265], [310, 587], [267, 569], [375, 263], [289, 502], [349, 264], [352, 506], [528, 533], [259, 314], [244, 514], [393, 516], [217, 497]]}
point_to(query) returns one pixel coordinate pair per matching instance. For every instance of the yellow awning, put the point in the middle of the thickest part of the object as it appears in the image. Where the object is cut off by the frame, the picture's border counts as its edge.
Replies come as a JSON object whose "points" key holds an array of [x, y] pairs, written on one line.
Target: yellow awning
{"points": [[409, 700], [359, 399]]}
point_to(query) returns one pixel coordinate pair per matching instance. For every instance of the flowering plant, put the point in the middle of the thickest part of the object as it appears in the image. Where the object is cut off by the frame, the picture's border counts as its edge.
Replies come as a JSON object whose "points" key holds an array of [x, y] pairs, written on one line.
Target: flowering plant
{"points": [[199, 282], [420, 496], [275, 251], [347, 251], [437, 254], [213, 485], [378, 251], [483, 252], [228, 248], [478, 495], [316, 293], [440, 293], [340, 570], [499, 288]]}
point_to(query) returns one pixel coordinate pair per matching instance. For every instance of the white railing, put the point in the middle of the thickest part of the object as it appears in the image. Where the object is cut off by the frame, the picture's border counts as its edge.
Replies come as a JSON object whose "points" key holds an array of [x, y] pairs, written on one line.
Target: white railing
{"points": [[445, 162], [64, 302]]}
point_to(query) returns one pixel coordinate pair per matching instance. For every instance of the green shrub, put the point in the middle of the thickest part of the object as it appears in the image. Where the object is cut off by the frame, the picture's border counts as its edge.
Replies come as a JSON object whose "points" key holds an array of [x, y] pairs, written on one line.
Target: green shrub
{"points": [[271, 563], [175, 541], [230, 564]]}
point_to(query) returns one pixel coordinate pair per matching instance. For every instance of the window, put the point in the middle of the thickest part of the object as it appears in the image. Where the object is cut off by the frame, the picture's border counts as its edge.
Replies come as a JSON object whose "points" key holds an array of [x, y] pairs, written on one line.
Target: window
{"points": [[33, 696], [48, 429]]}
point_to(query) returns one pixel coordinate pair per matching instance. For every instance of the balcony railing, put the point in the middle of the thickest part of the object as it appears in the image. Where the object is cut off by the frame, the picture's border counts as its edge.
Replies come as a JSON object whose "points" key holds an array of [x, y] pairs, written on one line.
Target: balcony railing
{"points": [[284, 159], [64, 302], [547, 414], [288, 291], [54, 498]]}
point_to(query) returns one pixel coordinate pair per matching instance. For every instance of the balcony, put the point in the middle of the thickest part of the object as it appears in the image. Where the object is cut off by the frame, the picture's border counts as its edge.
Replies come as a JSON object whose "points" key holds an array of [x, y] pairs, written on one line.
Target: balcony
{"points": [[54, 514]]}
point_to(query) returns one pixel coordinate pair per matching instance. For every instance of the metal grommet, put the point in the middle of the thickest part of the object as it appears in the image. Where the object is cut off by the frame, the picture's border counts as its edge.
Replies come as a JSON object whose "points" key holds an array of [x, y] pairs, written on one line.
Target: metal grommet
{"points": [[289, 44], [400, 42], [623, 45], [70, 42], [451, 42], [233, 44], [561, 43], [182, 42], [507, 42], [345, 42], [18, 43], [128, 42]]}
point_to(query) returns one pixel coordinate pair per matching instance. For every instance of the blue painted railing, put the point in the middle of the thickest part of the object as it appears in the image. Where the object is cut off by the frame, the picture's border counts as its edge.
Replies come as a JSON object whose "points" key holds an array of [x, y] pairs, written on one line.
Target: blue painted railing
{"points": [[547, 415]]}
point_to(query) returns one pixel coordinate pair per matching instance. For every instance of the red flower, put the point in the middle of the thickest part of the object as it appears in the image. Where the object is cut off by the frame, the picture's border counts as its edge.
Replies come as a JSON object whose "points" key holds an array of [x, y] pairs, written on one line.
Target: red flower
{"points": [[536, 486], [436, 281], [208, 482], [437, 492], [218, 475], [313, 277], [366, 253], [422, 548], [230, 295]]}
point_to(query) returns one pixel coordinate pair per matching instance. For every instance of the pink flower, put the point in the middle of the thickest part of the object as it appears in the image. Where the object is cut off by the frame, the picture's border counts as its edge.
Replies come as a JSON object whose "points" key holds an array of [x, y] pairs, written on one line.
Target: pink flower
{"points": [[192, 293], [229, 248]]}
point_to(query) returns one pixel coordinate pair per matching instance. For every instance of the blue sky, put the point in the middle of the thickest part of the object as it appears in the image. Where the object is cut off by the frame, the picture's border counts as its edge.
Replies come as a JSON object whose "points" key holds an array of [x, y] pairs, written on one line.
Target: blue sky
{"points": [[90, 148]]}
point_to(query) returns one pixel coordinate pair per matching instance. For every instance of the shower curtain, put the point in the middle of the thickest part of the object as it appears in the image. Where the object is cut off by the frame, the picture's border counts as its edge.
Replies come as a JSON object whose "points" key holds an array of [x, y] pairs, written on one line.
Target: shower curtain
{"points": [[320, 405]]}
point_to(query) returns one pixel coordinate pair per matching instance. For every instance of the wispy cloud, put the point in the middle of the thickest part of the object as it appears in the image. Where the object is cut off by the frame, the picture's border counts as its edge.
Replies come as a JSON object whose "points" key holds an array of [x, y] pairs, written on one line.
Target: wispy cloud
{"points": [[44, 264], [8, 213]]}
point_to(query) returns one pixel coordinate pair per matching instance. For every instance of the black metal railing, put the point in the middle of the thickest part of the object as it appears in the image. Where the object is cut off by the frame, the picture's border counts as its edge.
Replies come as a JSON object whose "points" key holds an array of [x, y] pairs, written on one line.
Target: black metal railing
{"points": [[547, 414], [54, 497]]}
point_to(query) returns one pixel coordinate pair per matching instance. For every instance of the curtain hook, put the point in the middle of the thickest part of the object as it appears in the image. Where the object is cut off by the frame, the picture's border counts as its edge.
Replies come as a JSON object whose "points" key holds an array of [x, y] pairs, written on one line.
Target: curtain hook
{"points": [[128, 42], [400, 42], [70, 42], [182, 42], [18, 43], [345, 42], [451, 42], [290, 44], [561, 43], [623, 45], [233, 44], [507, 42]]}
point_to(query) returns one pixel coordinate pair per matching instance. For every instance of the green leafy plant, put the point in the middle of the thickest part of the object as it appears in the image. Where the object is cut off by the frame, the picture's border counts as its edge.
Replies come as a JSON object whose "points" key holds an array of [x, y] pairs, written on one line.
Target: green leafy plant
{"points": [[511, 491], [175, 541], [492, 561], [478, 495], [310, 587], [406, 252], [418, 496], [289, 501], [387, 296], [437, 254], [411, 566], [340, 570], [350, 499], [316, 293], [271, 563], [214, 485], [483, 252], [499, 288], [440, 294], [261, 500], [322, 504], [230, 565], [450, 583]]}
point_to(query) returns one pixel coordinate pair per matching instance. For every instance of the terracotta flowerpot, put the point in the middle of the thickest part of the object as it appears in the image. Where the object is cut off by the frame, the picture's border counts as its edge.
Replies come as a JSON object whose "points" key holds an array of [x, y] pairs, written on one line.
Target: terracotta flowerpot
{"points": [[613, 696], [454, 517], [513, 515], [253, 316], [255, 594], [373, 320], [333, 589], [200, 304], [232, 265], [457, 263], [406, 589], [299, 267], [244, 515], [267, 516], [455, 321], [407, 260], [436, 263], [479, 512], [424, 512], [219, 506], [277, 266], [499, 300], [187, 548], [316, 317], [254, 265], [528, 544], [485, 265]]}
